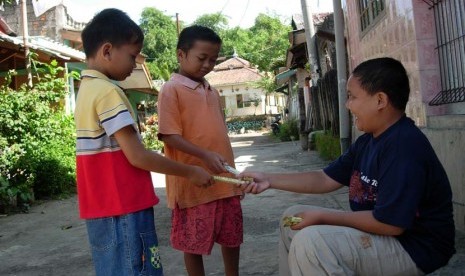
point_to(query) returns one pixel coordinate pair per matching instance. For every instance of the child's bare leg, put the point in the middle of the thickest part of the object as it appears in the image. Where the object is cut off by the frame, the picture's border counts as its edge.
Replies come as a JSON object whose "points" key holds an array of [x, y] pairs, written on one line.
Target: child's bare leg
{"points": [[194, 264], [231, 260]]}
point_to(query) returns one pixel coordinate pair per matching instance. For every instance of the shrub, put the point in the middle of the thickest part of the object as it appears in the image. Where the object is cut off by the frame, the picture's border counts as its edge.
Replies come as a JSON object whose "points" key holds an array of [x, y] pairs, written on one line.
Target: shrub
{"points": [[289, 131], [55, 176], [251, 122], [16, 175], [327, 145], [37, 144]]}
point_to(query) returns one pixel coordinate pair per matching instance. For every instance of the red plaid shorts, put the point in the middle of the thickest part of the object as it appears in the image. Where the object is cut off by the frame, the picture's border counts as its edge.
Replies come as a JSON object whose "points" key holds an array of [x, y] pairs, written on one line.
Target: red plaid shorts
{"points": [[194, 230]]}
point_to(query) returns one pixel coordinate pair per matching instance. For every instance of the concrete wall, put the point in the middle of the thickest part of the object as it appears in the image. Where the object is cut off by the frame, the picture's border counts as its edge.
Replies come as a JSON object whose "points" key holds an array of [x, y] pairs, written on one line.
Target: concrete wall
{"points": [[447, 135], [394, 35], [229, 92]]}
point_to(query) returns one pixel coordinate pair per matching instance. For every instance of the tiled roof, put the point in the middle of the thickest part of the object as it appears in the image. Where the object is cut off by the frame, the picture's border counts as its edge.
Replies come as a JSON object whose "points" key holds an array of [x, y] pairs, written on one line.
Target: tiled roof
{"points": [[233, 71], [232, 63]]}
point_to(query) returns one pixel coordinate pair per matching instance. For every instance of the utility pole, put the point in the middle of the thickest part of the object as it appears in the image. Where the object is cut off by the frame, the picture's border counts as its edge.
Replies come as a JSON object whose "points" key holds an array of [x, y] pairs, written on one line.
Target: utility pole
{"points": [[310, 40], [344, 122], [177, 23], [27, 58]]}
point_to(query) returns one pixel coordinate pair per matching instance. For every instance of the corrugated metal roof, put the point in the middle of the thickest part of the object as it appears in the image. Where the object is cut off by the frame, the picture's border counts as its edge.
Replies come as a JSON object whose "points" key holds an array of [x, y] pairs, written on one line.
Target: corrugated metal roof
{"points": [[46, 45]]}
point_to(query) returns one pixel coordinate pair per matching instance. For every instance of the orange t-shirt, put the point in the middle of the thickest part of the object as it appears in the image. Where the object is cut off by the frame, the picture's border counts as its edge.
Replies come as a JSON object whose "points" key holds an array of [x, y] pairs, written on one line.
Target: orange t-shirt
{"points": [[192, 110]]}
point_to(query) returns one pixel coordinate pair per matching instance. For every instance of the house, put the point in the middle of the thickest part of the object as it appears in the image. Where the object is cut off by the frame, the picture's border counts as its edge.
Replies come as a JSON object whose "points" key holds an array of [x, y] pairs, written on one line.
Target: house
{"points": [[235, 79], [54, 34], [313, 105]]}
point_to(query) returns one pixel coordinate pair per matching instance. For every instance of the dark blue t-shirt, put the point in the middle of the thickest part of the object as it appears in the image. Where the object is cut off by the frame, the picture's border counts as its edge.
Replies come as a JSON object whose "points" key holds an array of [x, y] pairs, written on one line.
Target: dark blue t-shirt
{"points": [[400, 178]]}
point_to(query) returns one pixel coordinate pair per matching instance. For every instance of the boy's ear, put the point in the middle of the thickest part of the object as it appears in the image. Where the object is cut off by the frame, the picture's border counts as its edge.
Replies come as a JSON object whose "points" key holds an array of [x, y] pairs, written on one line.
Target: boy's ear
{"points": [[106, 51], [180, 54], [383, 100]]}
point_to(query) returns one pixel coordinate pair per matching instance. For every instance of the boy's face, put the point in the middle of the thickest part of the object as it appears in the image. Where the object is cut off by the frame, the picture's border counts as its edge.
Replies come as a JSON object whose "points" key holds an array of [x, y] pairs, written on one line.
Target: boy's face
{"points": [[363, 106], [122, 60], [198, 60]]}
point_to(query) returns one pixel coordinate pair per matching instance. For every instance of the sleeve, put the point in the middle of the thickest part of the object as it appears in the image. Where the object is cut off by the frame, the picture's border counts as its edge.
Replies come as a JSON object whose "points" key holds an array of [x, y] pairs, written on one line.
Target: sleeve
{"points": [[112, 112], [169, 116], [402, 182], [340, 170]]}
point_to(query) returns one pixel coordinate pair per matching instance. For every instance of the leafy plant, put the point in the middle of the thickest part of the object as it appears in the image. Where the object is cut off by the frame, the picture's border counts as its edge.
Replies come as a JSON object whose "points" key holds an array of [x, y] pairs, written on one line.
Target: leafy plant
{"points": [[34, 130], [289, 131], [150, 134], [252, 122]]}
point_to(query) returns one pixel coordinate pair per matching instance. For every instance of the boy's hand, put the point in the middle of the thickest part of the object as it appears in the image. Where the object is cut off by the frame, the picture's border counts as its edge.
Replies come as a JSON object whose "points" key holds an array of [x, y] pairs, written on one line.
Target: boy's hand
{"points": [[200, 177], [214, 162], [259, 184], [308, 218]]}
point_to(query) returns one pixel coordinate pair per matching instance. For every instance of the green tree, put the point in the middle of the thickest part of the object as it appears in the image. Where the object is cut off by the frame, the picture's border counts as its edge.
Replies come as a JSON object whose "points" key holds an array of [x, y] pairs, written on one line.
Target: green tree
{"points": [[236, 39], [264, 44], [269, 42], [160, 42], [214, 21], [267, 84]]}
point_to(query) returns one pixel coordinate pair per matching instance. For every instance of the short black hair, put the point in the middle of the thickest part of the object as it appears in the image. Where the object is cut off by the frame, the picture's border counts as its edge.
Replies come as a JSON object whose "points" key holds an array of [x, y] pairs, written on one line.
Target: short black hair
{"points": [[113, 26], [191, 34], [386, 75]]}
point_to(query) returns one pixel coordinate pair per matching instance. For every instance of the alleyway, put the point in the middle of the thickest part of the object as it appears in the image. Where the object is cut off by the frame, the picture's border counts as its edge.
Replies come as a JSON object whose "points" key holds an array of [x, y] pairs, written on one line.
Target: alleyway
{"points": [[51, 240]]}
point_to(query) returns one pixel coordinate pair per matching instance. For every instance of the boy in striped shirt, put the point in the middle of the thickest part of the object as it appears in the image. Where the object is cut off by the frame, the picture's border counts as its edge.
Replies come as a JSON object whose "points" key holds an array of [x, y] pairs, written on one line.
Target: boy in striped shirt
{"points": [[115, 191]]}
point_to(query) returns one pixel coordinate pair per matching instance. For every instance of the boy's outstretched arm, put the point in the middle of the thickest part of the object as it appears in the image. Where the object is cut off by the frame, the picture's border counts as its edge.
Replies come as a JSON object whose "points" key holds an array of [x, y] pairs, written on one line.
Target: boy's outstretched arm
{"points": [[361, 220], [148, 160], [314, 182], [317, 182], [214, 161]]}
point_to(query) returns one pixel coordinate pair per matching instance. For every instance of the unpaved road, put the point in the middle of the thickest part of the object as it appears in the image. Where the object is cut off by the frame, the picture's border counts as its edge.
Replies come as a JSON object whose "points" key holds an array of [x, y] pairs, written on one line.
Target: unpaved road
{"points": [[52, 240]]}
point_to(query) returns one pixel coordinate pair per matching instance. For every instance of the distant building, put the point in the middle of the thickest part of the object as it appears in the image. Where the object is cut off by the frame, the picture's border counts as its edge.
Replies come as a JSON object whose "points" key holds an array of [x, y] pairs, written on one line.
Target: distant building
{"points": [[235, 79], [314, 107]]}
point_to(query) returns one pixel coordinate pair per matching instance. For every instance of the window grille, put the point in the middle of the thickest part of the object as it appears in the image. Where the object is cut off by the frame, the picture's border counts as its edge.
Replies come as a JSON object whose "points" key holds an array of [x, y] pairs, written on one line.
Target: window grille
{"points": [[370, 10], [449, 17]]}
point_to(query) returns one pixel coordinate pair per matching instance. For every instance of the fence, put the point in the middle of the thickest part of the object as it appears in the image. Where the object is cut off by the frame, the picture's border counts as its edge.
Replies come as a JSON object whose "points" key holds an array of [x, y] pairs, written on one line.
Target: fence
{"points": [[324, 114]]}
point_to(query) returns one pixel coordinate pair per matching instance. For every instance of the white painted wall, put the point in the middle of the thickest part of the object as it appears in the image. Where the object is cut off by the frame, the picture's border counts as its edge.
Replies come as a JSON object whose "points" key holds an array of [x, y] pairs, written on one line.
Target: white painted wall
{"points": [[248, 92]]}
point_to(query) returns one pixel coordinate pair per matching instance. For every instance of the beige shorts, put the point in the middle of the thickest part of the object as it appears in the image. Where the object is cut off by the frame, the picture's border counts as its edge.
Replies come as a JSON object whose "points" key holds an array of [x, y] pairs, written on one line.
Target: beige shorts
{"points": [[338, 250]]}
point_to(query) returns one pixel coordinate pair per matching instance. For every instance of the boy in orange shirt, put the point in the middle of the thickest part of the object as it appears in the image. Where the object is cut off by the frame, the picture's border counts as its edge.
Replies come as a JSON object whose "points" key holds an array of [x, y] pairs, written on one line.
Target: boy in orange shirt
{"points": [[192, 127]]}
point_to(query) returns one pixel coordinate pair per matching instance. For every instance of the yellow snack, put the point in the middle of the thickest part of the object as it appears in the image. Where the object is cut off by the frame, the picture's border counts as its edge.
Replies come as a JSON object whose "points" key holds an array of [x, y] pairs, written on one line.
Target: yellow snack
{"points": [[291, 221], [231, 180]]}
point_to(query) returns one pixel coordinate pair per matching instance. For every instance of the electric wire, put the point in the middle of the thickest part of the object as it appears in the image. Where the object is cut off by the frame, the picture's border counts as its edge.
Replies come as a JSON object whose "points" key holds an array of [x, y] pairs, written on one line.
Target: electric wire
{"points": [[245, 11]]}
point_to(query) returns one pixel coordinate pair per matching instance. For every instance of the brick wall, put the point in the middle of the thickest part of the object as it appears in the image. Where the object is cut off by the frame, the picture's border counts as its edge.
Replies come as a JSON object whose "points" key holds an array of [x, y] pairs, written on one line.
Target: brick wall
{"points": [[48, 24]]}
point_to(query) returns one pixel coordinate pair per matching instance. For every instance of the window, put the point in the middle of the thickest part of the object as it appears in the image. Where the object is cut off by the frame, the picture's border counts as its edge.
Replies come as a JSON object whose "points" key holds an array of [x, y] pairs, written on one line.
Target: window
{"points": [[243, 100], [273, 100], [370, 11], [449, 18]]}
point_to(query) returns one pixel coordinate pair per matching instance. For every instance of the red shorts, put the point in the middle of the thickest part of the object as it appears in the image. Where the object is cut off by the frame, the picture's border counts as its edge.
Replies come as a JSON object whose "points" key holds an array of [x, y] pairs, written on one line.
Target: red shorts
{"points": [[194, 230]]}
